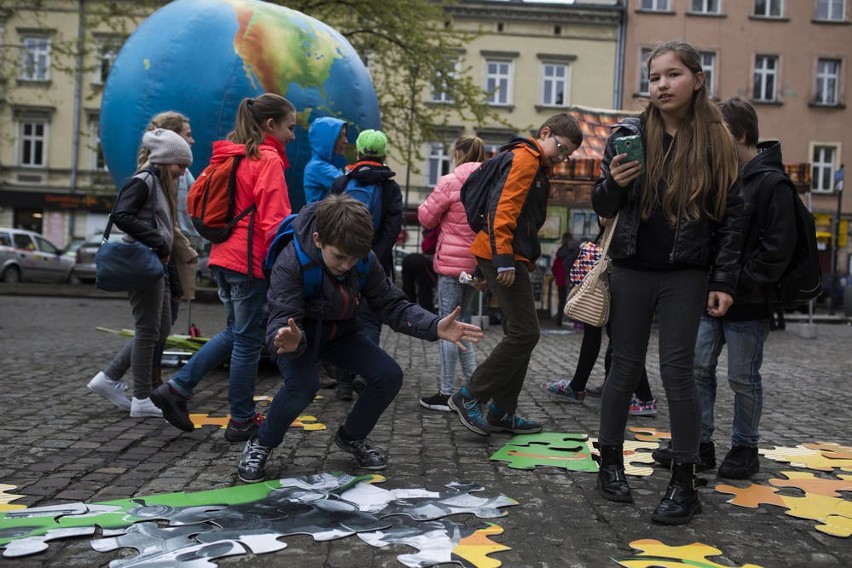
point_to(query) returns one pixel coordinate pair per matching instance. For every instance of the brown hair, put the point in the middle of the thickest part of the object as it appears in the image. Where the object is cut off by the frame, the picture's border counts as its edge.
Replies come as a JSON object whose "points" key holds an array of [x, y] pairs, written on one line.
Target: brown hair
{"points": [[252, 115], [472, 149], [563, 124], [345, 222], [704, 165], [169, 120], [741, 119]]}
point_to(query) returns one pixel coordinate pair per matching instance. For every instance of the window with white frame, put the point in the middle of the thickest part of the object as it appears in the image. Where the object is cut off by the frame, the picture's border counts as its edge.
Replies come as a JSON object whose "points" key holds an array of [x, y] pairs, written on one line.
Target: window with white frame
{"points": [[32, 143], [822, 167], [498, 81], [440, 89], [439, 162], [832, 10], [655, 5], [35, 58], [705, 6], [97, 161], [554, 84], [644, 84], [765, 78], [107, 52], [768, 8], [708, 64], [827, 82]]}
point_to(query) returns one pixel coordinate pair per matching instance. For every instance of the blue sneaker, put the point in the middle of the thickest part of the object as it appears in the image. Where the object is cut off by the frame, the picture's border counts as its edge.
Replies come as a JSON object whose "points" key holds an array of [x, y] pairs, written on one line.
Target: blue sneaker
{"points": [[500, 421], [469, 411]]}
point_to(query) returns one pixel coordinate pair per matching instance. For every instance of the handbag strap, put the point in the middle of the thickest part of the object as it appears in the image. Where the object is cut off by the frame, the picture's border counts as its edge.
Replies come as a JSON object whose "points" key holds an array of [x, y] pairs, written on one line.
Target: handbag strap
{"points": [[609, 231], [153, 190]]}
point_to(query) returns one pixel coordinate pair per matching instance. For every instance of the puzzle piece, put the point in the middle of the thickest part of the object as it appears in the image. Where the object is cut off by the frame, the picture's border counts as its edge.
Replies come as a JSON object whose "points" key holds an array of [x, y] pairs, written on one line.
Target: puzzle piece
{"points": [[308, 423], [7, 498], [35, 544], [632, 456], [656, 554], [831, 450], [810, 456], [833, 514], [809, 483], [650, 434], [567, 450]]}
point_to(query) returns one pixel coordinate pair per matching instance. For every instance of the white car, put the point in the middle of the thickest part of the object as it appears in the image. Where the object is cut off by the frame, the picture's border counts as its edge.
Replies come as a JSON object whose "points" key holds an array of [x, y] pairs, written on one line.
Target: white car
{"points": [[28, 256]]}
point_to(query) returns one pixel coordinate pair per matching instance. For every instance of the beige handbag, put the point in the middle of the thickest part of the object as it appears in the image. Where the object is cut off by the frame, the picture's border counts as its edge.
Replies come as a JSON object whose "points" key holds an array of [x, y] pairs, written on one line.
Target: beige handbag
{"points": [[589, 302]]}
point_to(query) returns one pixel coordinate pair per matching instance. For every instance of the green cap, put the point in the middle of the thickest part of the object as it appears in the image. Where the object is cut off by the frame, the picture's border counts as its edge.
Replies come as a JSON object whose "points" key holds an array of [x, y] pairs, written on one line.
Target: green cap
{"points": [[372, 143]]}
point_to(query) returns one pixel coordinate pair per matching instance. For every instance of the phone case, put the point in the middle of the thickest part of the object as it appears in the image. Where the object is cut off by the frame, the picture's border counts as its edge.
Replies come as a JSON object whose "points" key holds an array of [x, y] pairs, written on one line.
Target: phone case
{"points": [[632, 146]]}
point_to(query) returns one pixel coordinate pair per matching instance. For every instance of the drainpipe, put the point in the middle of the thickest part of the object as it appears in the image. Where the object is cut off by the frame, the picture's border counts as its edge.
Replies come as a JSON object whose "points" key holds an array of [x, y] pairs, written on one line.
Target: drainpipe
{"points": [[78, 96], [619, 53]]}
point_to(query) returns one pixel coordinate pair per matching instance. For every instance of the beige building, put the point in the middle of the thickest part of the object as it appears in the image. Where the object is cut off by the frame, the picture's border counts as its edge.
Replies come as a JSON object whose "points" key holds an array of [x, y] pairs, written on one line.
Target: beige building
{"points": [[790, 58]]}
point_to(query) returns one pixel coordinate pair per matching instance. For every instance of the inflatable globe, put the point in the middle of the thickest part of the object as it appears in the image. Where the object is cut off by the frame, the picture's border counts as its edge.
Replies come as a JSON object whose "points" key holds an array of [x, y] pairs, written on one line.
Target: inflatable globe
{"points": [[202, 57]]}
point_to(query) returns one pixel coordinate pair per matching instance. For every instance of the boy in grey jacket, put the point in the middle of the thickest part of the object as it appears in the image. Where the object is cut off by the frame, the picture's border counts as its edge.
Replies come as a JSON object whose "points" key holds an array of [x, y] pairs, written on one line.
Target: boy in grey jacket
{"points": [[310, 325]]}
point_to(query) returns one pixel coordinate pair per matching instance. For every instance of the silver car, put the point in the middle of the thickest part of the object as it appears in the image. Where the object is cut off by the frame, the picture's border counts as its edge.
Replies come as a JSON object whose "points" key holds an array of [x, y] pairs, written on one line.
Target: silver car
{"points": [[26, 256]]}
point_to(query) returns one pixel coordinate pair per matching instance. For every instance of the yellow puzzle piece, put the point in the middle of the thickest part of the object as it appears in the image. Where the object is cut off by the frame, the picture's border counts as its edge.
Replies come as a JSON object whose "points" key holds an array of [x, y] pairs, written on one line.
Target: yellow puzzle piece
{"points": [[650, 434], [476, 547], [7, 498], [817, 456], [308, 423], [655, 554], [633, 457]]}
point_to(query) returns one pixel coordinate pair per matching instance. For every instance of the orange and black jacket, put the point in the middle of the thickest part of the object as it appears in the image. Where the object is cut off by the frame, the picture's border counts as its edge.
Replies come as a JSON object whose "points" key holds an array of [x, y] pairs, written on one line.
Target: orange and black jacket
{"points": [[517, 207]]}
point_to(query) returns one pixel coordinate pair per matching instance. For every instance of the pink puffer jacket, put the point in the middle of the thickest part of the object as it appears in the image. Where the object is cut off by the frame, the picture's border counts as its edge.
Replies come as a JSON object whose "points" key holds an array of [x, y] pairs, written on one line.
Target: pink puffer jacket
{"points": [[443, 208]]}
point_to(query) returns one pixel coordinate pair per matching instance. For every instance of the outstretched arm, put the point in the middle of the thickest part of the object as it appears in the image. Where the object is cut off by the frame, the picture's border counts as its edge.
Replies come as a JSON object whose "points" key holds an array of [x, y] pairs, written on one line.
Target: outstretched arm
{"points": [[288, 338], [451, 329]]}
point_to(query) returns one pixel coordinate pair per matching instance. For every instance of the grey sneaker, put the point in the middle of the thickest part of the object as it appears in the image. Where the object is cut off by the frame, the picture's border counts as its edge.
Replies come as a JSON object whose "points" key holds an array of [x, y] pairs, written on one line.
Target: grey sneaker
{"points": [[111, 390], [252, 461], [173, 406], [144, 408], [368, 457], [469, 411], [500, 421]]}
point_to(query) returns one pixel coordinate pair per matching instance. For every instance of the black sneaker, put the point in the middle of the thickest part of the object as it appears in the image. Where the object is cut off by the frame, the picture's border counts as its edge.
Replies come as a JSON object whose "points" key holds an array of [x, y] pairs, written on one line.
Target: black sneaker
{"points": [[252, 461], [367, 456], [436, 402], [706, 456], [359, 384], [242, 431], [344, 391], [741, 463], [173, 406]]}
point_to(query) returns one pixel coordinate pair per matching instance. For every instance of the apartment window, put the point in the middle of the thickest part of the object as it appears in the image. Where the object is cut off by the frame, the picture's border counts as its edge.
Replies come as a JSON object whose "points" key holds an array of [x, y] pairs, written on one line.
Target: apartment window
{"points": [[768, 8], [765, 78], [822, 167], [554, 84], [35, 58], [97, 161], [705, 6], [644, 84], [498, 81], [655, 5], [832, 10], [33, 143], [107, 52], [708, 64], [439, 162], [445, 76], [827, 82]]}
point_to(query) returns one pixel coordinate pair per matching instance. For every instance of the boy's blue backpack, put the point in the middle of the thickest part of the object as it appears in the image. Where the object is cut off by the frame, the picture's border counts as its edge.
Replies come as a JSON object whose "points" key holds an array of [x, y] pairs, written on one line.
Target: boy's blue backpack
{"points": [[370, 194], [311, 271]]}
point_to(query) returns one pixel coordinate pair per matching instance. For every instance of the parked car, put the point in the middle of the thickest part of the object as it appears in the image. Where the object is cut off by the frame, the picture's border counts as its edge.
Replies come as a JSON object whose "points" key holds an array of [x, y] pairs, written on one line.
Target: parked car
{"points": [[84, 266], [26, 256], [203, 276]]}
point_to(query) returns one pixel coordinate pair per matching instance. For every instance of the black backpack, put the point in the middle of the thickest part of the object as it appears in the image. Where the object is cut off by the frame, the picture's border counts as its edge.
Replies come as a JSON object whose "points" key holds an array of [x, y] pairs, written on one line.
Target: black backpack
{"points": [[476, 189]]}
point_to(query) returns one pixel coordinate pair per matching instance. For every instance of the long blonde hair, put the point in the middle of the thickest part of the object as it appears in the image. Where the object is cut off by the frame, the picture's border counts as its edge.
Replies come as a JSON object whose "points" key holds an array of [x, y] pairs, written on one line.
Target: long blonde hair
{"points": [[252, 114], [704, 165]]}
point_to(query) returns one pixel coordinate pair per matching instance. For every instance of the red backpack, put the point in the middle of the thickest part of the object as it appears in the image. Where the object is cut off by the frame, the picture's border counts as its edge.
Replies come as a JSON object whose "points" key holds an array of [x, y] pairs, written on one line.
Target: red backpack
{"points": [[212, 199]]}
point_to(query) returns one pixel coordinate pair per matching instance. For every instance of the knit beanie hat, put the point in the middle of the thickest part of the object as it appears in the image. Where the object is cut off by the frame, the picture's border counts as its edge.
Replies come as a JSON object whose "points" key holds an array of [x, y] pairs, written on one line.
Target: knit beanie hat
{"points": [[166, 147], [372, 143]]}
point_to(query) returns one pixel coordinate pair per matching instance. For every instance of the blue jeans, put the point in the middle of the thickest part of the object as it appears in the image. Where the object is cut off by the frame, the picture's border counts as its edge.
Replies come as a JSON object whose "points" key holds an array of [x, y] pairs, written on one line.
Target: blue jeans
{"points": [[745, 356], [349, 349], [452, 293], [244, 298]]}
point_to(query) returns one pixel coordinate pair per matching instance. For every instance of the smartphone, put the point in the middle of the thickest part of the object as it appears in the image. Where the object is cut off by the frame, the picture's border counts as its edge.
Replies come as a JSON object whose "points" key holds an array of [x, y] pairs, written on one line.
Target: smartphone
{"points": [[632, 146]]}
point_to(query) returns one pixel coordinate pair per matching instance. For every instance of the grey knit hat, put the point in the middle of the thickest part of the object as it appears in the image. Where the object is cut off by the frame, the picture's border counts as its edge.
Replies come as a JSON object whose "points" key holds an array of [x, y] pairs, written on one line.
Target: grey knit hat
{"points": [[166, 147]]}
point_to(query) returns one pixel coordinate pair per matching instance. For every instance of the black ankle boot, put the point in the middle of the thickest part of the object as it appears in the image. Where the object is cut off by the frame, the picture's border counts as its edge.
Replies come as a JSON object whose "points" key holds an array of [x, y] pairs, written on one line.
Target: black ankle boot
{"points": [[612, 483], [664, 455], [680, 503]]}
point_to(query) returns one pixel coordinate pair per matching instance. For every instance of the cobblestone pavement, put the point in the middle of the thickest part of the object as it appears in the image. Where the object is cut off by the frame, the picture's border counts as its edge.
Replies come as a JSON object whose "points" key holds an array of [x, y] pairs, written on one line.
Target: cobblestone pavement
{"points": [[61, 444]]}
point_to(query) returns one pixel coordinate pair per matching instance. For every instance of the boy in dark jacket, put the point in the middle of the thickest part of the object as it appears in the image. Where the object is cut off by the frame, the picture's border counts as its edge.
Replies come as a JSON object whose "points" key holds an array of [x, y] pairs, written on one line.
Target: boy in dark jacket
{"points": [[336, 233], [770, 239]]}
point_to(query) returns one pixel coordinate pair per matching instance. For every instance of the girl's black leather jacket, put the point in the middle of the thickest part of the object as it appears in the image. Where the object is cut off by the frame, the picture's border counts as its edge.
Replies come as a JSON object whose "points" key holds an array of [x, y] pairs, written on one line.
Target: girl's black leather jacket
{"points": [[701, 243]]}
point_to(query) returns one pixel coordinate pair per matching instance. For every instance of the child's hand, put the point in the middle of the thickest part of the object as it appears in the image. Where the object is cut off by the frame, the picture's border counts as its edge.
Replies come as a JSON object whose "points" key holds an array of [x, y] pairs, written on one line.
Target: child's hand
{"points": [[288, 337], [452, 330], [718, 303], [624, 173]]}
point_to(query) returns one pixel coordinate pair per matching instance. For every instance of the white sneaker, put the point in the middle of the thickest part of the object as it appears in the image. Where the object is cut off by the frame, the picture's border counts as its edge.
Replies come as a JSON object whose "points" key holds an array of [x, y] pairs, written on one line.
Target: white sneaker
{"points": [[111, 390], [143, 407]]}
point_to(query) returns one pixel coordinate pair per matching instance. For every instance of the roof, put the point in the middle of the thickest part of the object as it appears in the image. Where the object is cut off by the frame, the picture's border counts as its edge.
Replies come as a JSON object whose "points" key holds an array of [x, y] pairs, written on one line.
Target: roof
{"points": [[596, 125]]}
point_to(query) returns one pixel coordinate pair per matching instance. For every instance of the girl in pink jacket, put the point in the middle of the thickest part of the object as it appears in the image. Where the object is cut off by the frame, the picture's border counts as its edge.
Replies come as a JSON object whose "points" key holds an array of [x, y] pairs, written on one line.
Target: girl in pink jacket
{"points": [[443, 209]]}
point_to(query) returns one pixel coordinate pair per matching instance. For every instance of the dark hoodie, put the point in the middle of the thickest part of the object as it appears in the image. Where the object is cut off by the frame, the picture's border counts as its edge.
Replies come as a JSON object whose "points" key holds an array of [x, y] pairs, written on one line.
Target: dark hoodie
{"points": [[339, 298], [770, 231]]}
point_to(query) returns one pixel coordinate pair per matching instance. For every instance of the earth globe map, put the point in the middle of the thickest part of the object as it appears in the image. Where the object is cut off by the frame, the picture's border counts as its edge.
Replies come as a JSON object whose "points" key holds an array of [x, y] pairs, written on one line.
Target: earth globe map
{"points": [[202, 57]]}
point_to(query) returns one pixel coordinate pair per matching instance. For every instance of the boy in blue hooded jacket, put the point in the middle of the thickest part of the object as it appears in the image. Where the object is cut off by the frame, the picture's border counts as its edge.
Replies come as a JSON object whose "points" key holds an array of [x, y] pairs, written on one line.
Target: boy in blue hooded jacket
{"points": [[327, 137]]}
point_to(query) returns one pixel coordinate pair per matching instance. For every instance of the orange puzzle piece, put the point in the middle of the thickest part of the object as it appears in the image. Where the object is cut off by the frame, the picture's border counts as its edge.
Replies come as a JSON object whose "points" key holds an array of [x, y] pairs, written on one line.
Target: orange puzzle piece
{"points": [[308, 423], [655, 554]]}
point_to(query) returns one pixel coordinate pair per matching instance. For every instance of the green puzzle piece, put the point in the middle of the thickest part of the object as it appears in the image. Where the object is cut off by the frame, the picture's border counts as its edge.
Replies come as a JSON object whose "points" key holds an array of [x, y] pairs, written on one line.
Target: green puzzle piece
{"points": [[567, 450], [13, 525]]}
